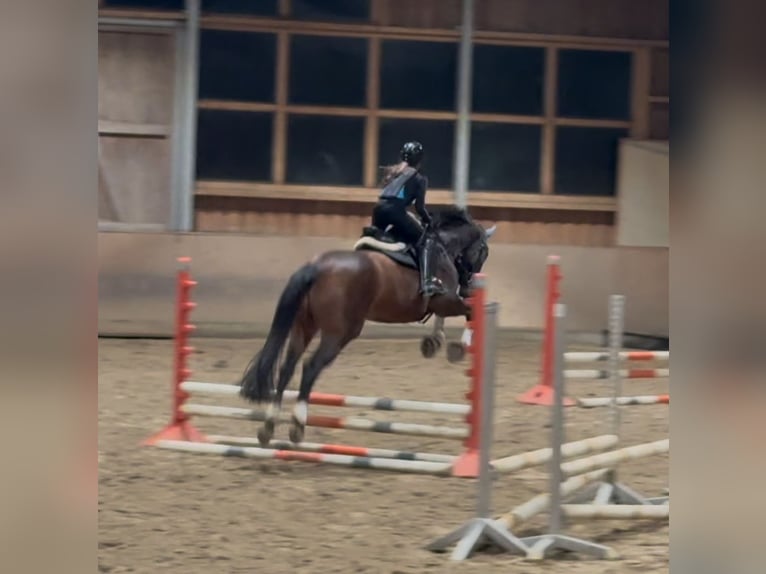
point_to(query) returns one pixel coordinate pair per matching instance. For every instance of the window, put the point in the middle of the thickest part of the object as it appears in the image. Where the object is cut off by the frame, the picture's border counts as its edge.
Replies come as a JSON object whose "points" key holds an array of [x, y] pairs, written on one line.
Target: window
{"points": [[325, 150], [355, 10], [437, 138], [151, 4], [237, 66], [418, 75], [586, 160], [328, 71], [234, 145], [508, 80], [594, 84], [505, 156], [250, 7]]}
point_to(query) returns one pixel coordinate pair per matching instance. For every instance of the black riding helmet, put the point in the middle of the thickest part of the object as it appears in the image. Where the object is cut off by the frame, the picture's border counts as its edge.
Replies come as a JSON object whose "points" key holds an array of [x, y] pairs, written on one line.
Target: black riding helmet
{"points": [[412, 153]]}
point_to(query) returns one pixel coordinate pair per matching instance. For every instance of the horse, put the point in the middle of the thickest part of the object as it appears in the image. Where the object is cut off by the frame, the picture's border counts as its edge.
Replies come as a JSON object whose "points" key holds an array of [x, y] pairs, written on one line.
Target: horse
{"points": [[336, 292]]}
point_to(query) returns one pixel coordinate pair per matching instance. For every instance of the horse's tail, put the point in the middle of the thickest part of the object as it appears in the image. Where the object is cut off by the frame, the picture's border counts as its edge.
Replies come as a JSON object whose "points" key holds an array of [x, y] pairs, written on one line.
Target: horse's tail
{"points": [[257, 382]]}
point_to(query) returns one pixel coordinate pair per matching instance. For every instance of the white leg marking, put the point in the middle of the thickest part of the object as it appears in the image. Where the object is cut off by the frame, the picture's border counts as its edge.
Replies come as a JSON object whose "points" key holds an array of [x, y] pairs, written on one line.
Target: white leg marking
{"points": [[272, 411], [301, 412], [466, 337]]}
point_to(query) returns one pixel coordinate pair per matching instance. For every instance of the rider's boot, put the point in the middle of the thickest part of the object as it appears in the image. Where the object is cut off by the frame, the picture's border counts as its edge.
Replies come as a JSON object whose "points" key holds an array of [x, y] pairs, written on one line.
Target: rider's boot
{"points": [[429, 284]]}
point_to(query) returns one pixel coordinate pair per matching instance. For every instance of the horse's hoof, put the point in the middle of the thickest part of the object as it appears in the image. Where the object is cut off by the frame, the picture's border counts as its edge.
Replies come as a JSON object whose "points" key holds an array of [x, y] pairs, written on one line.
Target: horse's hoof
{"points": [[455, 352], [266, 433], [296, 432], [429, 346]]}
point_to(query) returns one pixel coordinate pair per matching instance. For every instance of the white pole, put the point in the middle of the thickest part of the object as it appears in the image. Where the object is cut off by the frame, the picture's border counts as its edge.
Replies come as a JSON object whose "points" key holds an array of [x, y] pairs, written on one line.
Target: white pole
{"points": [[464, 89], [186, 103]]}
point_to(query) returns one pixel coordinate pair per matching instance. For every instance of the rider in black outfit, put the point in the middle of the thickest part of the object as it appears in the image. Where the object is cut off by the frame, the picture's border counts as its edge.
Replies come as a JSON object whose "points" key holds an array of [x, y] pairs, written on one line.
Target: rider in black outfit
{"points": [[404, 185]]}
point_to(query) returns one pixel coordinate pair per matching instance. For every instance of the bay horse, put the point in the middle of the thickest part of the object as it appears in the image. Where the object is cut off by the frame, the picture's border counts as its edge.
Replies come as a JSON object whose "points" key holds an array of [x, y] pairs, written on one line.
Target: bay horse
{"points": [[336, 292]]}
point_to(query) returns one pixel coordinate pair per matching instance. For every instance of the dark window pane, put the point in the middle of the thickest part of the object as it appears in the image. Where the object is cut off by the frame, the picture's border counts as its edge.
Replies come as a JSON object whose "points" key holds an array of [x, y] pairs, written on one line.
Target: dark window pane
{"points": [[328, 71], [152, 4], [505, 157], [237, 66], [437, 138], [234, 145], [508, 79], [586, 160], [418, 75], [331, 9], [325, 150], [254, 7], [594, 84]]}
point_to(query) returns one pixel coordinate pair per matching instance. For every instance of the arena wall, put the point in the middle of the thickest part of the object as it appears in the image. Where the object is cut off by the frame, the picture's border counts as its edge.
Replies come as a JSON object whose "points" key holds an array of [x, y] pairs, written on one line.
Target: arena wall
{"points": [[240, 278]]}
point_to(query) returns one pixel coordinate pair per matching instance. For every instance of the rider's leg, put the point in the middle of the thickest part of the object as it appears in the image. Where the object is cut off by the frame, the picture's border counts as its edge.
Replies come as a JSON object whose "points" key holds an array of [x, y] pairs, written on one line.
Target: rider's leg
{"points": [[408, 229], [429, 284]]}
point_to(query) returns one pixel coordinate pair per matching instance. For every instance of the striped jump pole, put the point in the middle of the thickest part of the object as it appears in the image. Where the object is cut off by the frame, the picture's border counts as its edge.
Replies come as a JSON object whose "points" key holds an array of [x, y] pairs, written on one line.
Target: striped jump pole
{"points": [[333, 400], [348, 423], [412, 466], [623, 373], [599, 356], [592, 402], [348, 450]]}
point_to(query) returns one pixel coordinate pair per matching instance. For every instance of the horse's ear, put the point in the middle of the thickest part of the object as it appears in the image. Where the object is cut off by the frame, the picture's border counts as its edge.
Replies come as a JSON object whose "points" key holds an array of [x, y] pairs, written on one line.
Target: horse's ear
{"points": [[491, 231]]}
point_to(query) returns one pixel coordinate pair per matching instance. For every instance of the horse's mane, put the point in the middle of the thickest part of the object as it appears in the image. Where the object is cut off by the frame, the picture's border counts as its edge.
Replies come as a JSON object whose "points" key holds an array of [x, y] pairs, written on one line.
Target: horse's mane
{"points": [[446, 217], [455, 225]]}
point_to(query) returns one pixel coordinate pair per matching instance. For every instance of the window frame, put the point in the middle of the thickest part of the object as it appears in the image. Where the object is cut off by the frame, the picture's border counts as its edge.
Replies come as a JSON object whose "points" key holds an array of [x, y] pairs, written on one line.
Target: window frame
{"points": [[638, 124]]}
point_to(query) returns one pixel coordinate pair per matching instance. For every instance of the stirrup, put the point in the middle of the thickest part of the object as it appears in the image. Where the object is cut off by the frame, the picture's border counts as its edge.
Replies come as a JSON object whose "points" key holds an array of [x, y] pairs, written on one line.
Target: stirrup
{"points": [[433, 287]]}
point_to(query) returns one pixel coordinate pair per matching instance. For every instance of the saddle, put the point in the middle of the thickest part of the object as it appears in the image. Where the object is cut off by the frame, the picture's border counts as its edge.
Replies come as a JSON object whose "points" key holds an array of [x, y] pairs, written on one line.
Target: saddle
{"points": [[373, 239]]}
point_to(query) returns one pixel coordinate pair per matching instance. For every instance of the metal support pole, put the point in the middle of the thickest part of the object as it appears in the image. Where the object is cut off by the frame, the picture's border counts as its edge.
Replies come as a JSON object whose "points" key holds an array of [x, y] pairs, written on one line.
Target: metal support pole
{"points": [[557, 430], [464, 90], [616, 327], [547, 544], [185, 103], [482, 529], [611, 491], [484, 505]]}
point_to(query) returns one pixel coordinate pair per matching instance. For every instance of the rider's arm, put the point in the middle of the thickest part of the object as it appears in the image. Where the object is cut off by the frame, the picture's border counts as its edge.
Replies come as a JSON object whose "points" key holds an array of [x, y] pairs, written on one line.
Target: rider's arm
{"points": [[420, 199]]}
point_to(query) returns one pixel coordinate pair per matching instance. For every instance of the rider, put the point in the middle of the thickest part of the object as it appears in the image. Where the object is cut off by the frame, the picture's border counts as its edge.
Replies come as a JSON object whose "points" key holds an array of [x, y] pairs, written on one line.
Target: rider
{"points": [[403, 185]]}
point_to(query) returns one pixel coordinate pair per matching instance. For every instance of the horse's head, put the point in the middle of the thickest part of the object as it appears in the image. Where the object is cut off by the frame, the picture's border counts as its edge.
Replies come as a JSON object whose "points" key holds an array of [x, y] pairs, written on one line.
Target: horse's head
{"points": [[466, 241]]}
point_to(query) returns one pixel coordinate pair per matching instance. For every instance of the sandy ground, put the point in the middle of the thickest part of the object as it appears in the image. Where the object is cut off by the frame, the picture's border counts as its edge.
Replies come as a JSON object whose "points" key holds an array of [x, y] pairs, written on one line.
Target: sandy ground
{"points": [[162, 511]]}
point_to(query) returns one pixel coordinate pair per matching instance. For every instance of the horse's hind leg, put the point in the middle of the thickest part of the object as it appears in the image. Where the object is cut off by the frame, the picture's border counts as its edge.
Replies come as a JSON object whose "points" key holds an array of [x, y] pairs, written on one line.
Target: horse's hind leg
{"points": [[301, 336], [329, 348], [430, 344]]}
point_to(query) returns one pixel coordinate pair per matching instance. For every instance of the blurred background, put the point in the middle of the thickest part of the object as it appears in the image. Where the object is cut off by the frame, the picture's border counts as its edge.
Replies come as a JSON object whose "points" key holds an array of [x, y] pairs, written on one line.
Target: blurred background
{"points": [[248, 134]]}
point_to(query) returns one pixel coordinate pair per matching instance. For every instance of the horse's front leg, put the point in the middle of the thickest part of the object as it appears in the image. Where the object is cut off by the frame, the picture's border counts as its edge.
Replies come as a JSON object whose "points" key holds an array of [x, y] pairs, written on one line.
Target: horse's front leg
{"points": [[454, 306], [430, 344]]}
